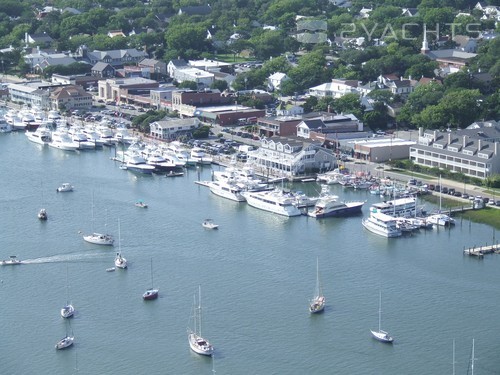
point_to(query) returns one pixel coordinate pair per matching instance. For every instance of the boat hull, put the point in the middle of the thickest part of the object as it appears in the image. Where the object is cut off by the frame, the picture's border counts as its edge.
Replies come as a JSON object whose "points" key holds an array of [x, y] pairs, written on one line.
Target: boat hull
{"points": [[351, 209], [64, 343], [382, 336], [150, 294], [99, 239], [199, 345]]}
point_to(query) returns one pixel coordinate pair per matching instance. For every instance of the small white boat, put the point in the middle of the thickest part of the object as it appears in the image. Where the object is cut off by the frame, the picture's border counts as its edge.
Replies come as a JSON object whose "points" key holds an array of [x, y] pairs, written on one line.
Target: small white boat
{"points": [[209, 224], [42, 214], [110, 269], [141, 204], [380, 335], [174, 174], [12, 261], [99, 239], [65, 342], [65, 188]]}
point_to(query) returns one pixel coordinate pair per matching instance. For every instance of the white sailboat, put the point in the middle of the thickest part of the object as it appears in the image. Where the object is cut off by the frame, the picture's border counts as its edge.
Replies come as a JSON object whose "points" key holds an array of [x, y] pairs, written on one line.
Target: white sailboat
{"points": [[196, 341], [381, 335], [68, 310], [120, 262], [98, 238], [66, 341], [472, 359], [151, 293], [317, 304]]}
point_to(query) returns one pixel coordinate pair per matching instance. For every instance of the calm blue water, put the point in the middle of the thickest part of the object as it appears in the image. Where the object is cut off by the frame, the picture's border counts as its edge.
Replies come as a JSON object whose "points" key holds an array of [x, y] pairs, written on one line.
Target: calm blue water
{"points": [[257, 273]]}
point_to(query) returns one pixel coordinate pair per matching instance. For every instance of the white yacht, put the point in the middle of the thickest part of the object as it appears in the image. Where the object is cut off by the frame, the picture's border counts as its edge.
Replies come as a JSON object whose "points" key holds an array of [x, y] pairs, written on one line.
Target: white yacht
{"points": [[120, 262], [275, 201], [136, 163], [65, 342], [42, 135], [227, 190], [122, 135], [5, 127], [199, 156], [78, 136], [405, 207], [53, 115], [62, 141], [99, 239], [329, 206], [440, 220], [382, 224]]}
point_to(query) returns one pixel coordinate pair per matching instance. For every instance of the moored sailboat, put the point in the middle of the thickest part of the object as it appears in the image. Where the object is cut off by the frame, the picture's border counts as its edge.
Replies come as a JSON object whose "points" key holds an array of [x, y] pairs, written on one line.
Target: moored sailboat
{"points": [[317, 304], [151, 293], [197, 343], [381, 335]]}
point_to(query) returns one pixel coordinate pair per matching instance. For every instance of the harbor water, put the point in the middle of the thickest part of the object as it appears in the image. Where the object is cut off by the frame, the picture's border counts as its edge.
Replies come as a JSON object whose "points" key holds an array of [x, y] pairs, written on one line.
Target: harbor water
{"points": [[257, 273]]}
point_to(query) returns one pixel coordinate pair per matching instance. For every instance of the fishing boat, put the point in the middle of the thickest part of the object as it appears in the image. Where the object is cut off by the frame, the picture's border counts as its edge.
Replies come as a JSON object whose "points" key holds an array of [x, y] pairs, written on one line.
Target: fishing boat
{"points": [[317, 304], [381, 335], [209, 224], [151, 293], [197, 343], [12, 261]]}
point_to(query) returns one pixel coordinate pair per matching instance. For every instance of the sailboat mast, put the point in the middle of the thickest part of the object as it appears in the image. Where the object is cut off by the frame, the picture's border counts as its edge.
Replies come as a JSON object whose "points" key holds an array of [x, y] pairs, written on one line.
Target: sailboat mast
{"points": [[453, 363], [472, 359], [119, 238], [379, 310], [199, 310], [152, 282], [317, 277]]}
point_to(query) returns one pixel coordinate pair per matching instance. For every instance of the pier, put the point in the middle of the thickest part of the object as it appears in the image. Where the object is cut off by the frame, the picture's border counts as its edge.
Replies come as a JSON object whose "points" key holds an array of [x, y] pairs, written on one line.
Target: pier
{"points": [[481, 250]]}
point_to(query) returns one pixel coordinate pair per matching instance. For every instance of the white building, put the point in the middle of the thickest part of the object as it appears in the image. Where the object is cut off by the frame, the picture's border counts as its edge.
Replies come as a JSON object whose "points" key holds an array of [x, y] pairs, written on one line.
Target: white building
{"points": [[201, 77], [275, 81], [288, 157], [473, 151], [172, 129], [336, 89]]}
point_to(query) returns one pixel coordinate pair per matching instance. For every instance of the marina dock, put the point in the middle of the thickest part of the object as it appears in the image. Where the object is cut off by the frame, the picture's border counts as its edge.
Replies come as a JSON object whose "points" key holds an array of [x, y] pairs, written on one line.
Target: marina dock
{"points": [[481, 250]]}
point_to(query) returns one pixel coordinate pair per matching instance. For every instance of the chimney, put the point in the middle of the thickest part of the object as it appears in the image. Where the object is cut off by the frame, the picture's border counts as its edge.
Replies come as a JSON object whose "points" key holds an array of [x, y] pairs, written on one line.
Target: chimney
{"points": [[465, 141], [435, 135], [420, 132], [479, 145], [449, 138]]}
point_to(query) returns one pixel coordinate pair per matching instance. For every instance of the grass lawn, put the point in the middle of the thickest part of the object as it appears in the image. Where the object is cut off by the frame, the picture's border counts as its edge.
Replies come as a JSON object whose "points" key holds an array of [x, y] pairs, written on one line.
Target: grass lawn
{"points": [[230, 58]]}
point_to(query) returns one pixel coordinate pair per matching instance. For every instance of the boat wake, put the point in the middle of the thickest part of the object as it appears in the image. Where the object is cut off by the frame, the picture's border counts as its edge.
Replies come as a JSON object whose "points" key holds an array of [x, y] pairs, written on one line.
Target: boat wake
{"points": [[65, 258]]}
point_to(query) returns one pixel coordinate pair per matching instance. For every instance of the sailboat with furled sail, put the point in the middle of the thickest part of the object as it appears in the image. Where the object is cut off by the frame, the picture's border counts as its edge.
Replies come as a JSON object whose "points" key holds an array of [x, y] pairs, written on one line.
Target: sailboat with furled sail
{"points": [[380, 335], [196, 341], [98, 238], [317, 304]]}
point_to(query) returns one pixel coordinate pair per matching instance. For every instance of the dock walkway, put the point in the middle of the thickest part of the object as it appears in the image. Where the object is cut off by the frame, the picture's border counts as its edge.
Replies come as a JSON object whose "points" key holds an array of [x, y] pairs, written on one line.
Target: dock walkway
{"points": [[481, 250]]}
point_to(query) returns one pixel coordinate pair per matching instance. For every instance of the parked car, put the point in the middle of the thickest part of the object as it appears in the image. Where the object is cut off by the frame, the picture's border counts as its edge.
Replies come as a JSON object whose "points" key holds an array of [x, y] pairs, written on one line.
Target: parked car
{"points": [[444, 190], [465, 196]]}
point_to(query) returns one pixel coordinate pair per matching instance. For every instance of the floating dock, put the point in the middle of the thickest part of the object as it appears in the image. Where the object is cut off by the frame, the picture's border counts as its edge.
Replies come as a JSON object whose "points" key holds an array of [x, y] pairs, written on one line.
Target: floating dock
{"points": [[481, 250]]}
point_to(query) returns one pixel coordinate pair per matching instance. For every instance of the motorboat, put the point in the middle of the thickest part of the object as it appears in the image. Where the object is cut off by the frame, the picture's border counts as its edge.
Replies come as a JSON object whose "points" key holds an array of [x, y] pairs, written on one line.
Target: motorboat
{"points": [[42, 135], [329, 206], [174, 174], [5, 127], [120, 262], [197, 343], [62, 141], [199, 156], [65, 342], [65, 187], [12, 261], [67, 311], [136, 163], [275, 201], [99, 239], [440, 220], [317, 303], [227, 190], [302, 200], [79, 137], [141, 204], [42, 214], [161, 164], [381, 224], [209, 224]]}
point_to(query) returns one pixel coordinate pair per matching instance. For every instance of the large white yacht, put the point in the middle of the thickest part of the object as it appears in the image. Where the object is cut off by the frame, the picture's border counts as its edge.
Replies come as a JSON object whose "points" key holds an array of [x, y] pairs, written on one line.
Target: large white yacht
{"points": [[382, 224], [62, 141], [227, 190], [199, 156], [329, 206], [275, 201], [42, 135], [136, 163], [5, 127]]}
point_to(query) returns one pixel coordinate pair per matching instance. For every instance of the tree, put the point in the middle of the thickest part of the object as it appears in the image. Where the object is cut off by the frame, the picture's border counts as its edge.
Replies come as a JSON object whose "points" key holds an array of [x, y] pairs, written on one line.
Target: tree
{"points": [[349, 103], [325, 104], [186, 36], [219, 84], [377, 118], [191, 85]]}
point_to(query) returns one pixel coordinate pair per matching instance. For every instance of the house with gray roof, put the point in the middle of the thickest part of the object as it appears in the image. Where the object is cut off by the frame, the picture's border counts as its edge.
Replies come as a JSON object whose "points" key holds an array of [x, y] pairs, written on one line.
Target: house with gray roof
{"points": [[290, 157], [103, 70], [473, 151], [114, 58], [200, 10]]}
